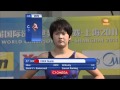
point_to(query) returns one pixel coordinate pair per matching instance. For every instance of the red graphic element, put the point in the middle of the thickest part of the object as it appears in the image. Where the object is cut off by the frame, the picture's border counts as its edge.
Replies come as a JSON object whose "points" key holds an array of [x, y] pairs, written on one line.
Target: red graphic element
{"points": [[60, 72], [36, 61], [35, 26]]}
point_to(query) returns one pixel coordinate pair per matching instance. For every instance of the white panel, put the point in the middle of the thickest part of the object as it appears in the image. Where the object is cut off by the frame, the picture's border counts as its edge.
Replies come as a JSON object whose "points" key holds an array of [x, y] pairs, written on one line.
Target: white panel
{"points": [[15, 13]]}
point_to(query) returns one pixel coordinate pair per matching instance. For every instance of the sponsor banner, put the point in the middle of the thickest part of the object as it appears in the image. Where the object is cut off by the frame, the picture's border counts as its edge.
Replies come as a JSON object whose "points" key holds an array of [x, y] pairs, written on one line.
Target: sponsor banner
{"points": [[6, 61], [23, 55], [95, 33], [106, 59]]}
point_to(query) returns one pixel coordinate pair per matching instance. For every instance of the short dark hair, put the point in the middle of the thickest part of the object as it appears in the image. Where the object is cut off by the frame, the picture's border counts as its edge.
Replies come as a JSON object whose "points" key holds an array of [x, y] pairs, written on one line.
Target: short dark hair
{"points": [[60, 24]]}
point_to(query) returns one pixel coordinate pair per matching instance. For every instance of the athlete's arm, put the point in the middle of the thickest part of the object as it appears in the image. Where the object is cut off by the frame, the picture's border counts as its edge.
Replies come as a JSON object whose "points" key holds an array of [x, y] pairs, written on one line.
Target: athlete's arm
{"points": [[96, 73], [30, 73]]}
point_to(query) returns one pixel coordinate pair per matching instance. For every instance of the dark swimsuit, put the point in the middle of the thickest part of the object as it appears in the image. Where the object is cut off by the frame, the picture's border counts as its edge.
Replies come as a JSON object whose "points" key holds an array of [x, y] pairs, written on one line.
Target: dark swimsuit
{"points": [[73, 74]]}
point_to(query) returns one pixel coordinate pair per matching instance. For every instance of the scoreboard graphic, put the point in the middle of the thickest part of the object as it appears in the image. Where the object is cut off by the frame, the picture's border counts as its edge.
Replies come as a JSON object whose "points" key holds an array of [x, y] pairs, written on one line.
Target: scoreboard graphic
{"points": [[60, 64], [33, 27]]}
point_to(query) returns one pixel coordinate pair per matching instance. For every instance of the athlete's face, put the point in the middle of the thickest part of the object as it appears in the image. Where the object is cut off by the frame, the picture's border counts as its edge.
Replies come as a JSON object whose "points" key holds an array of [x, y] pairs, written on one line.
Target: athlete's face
{"points": [[61, 38]]}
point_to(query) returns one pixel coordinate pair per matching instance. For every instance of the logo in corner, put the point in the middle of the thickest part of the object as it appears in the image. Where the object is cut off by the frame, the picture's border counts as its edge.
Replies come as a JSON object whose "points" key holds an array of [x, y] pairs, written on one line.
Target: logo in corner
{"points": [[106, 21]]}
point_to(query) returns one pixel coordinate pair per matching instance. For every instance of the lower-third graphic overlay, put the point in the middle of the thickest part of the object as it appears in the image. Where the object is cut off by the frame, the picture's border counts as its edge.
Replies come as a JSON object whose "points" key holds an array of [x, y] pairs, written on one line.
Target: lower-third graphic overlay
{"points": [[60, 64]]}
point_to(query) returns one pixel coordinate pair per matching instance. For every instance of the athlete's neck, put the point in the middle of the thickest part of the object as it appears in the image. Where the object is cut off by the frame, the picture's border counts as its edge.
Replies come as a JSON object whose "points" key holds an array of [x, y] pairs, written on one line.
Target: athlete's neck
{"points": [[61, 50]]}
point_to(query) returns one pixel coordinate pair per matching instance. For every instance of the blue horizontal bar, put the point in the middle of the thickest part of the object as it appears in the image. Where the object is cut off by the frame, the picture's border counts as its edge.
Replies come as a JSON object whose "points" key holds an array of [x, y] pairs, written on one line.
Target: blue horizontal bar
{"points": [[59, 68], [31, 60], [59, 65]]}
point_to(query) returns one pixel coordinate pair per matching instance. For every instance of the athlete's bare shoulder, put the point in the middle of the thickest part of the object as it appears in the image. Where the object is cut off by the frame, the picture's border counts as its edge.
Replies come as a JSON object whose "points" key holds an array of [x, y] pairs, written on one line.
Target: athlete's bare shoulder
{"points": [[43, 55], [80, 55]]}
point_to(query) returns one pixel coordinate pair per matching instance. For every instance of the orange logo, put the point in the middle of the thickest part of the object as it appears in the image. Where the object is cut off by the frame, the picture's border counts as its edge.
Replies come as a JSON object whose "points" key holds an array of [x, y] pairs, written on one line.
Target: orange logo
{"points": [[105, 21]]}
